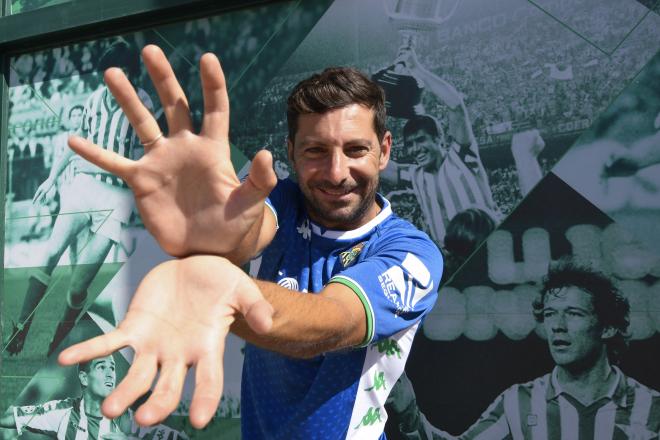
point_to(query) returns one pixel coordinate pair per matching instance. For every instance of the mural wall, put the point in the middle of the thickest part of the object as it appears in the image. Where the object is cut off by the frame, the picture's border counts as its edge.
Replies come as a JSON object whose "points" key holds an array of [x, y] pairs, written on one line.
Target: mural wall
{"points": [[554, 154]]}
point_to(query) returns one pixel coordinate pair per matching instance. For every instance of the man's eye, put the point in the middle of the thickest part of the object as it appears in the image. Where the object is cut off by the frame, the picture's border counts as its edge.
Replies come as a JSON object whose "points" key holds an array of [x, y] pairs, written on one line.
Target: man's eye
{"points": [[358, 149]]}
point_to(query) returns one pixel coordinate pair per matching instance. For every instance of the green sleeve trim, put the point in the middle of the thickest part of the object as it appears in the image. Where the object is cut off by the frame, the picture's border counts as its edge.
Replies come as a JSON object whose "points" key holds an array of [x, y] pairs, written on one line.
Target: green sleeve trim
{"points": [[368, 310]]}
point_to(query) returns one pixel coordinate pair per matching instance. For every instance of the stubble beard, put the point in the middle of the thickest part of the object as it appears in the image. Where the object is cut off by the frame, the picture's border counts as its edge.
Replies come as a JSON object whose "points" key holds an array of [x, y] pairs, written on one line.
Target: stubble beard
{"points": [[334, 219]]}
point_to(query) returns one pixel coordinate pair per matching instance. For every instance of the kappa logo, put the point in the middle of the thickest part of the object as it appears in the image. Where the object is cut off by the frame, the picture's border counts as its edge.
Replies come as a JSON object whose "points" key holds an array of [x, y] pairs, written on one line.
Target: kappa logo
{"points": [[406, 284], [289, 283], [305, 230], [348, 258]]}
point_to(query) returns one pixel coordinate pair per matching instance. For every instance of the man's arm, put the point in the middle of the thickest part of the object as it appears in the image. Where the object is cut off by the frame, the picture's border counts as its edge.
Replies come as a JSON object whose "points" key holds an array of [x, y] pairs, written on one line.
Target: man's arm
{"points": [[460, 127], [492, 424], [305, 326], [188, 176], [525, 147]]}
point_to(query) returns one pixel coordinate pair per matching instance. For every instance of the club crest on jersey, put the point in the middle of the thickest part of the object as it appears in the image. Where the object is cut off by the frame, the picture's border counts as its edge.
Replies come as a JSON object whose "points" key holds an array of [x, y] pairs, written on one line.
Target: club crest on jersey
{"points": [[406, 284], [348, 257]]}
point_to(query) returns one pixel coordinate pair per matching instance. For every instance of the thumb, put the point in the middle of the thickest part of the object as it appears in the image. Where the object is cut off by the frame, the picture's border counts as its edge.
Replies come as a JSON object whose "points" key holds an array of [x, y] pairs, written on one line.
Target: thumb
{"points": [[260, 181], [253, 306]]}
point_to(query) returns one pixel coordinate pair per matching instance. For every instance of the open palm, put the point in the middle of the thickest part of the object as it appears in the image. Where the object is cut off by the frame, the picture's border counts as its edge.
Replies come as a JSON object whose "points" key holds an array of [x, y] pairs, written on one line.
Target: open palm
{"points": [[179, 318], [185, 186]]}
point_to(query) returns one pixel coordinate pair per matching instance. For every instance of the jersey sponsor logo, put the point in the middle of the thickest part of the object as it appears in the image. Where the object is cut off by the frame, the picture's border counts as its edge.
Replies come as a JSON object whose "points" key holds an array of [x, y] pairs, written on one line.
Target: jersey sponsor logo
{"points": [[406, 284], [289, 283], [348, 258], [305, 230], [388, 346], [372, 416], [379, 382]]}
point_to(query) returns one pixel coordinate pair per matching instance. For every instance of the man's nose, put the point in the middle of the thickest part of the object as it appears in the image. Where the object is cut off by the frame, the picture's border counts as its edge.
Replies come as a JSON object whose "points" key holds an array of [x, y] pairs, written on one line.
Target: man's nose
{"points": [[338, 168], [558, 323]]}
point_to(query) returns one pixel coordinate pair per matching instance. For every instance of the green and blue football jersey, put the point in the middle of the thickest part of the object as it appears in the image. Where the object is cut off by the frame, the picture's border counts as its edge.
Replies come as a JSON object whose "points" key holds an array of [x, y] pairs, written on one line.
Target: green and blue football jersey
{"points": [[393, 268]]}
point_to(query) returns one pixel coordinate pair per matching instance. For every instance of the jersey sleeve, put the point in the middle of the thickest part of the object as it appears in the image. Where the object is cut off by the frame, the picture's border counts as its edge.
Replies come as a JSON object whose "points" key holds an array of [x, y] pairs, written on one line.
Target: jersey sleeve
{"points": [[397, 282], [281, 199], [44, 418]]}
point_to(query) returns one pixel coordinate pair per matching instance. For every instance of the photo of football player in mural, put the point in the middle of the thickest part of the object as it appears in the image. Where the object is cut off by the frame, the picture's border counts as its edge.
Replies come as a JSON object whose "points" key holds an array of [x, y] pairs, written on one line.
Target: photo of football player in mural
{"points": [[90, 199]]}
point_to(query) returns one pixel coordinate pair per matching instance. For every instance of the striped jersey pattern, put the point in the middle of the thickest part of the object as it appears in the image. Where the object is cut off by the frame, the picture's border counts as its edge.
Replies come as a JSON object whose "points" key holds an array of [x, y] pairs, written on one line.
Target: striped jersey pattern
{"points": [[63, 419], [540, 410], [108, 127], [460, 183]]}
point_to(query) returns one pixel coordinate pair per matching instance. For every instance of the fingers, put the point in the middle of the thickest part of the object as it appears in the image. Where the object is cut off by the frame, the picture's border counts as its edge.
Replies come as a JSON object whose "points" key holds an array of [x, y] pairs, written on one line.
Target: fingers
{"points": [[109, 161], [138, 115], [99, 346], [208, 390], [165, 397], [136, 383], [216, 100], [260, 181], [172, 97]]}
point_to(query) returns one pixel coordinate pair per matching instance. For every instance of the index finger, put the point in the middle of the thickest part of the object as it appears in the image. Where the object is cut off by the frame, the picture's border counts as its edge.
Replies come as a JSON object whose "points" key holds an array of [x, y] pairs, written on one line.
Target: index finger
{"points": [[97, 347], [216, 99]]}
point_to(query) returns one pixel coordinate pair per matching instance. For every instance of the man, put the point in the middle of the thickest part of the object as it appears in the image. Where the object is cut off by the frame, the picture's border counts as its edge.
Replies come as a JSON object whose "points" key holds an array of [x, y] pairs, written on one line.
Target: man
{"points": [[448, 176], [80, 417], [344, 284], [586, 396], [90, 199], [74, 418]]}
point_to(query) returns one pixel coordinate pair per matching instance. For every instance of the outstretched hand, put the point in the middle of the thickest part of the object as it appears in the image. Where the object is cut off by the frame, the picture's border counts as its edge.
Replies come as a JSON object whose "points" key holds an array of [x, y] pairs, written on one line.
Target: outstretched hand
{"points": [[185, 185], [179, 317]]}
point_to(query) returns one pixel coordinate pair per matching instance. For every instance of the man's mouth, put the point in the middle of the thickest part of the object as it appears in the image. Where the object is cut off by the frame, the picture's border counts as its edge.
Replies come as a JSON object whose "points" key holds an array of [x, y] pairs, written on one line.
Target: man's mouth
{"points": [[335, 192], [560, 343]]}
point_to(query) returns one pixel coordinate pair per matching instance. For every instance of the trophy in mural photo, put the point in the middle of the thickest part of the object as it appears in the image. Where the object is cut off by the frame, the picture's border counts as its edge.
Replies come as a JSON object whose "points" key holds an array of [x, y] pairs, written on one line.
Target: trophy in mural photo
{"points": [[410, 18]]}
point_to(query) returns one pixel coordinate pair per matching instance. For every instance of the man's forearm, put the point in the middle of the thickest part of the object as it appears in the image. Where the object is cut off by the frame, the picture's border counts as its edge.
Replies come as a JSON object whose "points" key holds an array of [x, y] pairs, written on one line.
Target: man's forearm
{"points": [[304, 324], [440, 88]]}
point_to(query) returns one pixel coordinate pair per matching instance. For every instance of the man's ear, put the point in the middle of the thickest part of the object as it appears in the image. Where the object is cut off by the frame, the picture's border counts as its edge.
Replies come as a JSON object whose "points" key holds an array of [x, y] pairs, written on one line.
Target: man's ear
{"points": [[82, 376], [385, 149], [289, 150], [608, 333]]}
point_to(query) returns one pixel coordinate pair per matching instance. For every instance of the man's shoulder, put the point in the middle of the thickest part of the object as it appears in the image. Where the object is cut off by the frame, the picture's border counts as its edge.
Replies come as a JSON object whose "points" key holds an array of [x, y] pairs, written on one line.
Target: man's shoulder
{"points": [[397, 228], [640, 389]]}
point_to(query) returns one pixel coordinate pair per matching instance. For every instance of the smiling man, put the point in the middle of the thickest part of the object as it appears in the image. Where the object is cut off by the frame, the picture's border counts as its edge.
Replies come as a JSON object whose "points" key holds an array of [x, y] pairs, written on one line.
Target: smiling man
{"points": [[448, 176], [341, 282], [586, 396]]}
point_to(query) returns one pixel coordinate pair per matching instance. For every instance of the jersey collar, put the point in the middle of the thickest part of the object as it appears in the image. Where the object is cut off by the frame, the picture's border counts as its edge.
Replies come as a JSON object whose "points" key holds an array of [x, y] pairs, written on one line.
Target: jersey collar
{"points": [[363, 230]]}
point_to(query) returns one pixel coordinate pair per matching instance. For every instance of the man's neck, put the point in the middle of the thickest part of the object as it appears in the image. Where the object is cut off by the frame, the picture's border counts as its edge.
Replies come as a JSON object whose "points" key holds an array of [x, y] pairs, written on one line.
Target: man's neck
{"points": [[92, 406], [588, 385]]}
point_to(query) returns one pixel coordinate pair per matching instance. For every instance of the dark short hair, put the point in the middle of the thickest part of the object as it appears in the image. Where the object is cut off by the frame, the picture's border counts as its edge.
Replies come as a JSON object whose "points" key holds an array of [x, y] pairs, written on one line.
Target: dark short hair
{"points": [[425, 123], [334, 88], [121, 54], [74, 107], [85, 366], [611, 307]]}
